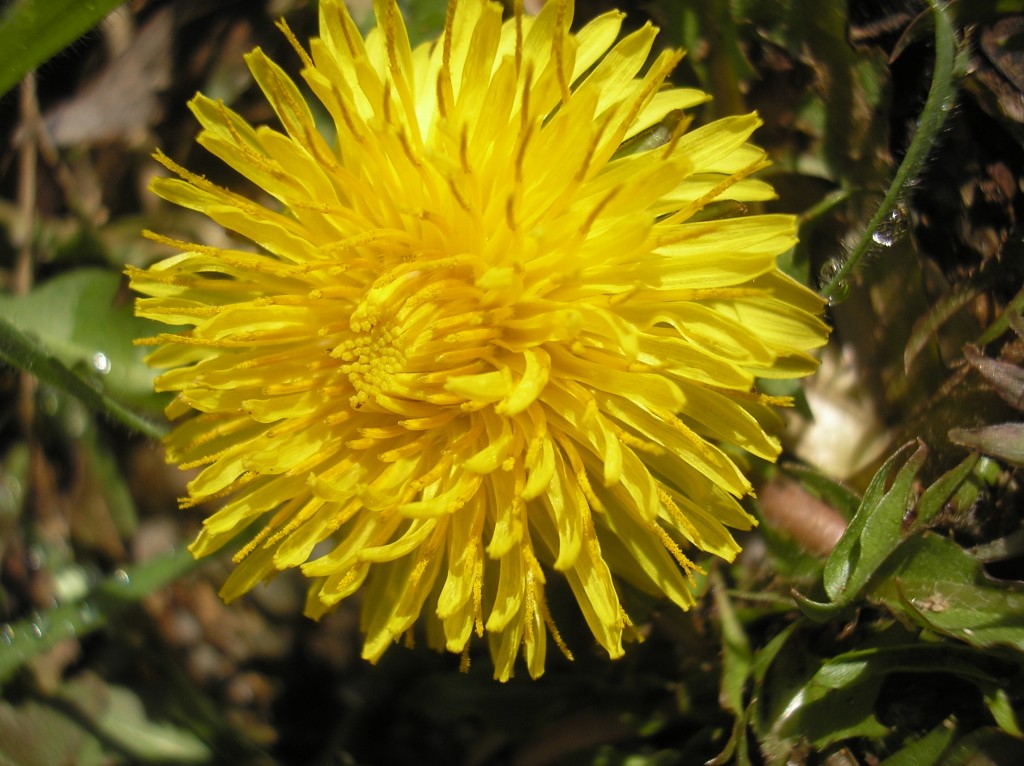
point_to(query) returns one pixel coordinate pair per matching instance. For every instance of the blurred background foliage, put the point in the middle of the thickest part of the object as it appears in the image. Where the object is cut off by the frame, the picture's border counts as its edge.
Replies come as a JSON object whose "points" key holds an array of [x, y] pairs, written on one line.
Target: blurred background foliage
{"points": [[875, 617]]}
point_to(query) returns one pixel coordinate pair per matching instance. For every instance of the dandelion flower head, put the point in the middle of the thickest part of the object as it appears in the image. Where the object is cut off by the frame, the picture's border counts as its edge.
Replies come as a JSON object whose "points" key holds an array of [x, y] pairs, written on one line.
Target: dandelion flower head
{"points": [[484, 335]]}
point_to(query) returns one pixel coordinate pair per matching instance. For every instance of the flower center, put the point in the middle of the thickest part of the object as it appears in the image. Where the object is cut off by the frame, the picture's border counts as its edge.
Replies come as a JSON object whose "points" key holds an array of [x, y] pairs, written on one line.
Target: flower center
{"points": [[412, 329], [371, 361]]}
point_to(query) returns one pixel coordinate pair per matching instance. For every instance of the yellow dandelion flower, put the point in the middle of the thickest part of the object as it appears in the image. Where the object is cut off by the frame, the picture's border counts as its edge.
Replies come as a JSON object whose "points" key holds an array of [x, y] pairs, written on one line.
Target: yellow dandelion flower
{"points": [[477, 341]]}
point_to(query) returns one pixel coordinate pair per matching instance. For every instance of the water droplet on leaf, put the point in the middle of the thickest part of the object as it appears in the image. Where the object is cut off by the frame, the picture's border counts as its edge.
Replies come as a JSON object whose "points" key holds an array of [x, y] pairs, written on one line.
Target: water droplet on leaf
{"points": [[101, 363], [891, 229], [841, 290]]}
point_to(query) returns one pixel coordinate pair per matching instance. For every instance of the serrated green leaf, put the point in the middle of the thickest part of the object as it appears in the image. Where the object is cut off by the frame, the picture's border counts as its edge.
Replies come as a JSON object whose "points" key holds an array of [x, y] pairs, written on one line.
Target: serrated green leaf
{"points": [[31, 31], [839, 699], [934, 498], [928, 750], [874, 532], [942, 587], [826, 710]]}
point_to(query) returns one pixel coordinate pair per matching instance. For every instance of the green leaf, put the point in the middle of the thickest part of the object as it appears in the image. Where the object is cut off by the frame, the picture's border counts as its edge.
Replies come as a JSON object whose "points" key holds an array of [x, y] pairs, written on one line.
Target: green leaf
{"points": [[817, 610], [84, 320], [928, 750], [36, 734], [1006, 378], [999, 704], [934, 498], [983, 747], [25, 352], [839, 699], [1004, 441], [31, 31], [737, 658], [103, 468], [85, 718], [1002, 323], [31, 637], [779, 669], [824, 706], [767, 655], [944, 588], [118, 715], [75, 321], [874, 532]]}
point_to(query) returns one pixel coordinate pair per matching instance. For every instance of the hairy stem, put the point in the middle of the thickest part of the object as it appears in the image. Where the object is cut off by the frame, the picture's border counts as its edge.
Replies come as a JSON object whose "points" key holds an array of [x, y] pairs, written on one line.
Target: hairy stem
{"points": [[936, 109]]}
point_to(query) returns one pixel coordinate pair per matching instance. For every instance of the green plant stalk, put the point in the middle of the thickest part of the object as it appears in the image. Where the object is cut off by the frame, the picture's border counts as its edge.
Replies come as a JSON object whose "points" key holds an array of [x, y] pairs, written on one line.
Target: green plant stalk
{"points": [[722, 70], [26, 353], [936, 109], [35, 635], [1002, 323], [827, 203]]}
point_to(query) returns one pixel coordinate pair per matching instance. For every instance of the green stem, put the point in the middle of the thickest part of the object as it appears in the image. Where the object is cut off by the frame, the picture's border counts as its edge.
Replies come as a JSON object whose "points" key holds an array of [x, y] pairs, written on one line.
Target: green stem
{"points": [[31, 637], [1002, 324], [723, 74], [824, 206], [26, 353], [936, 109]]}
